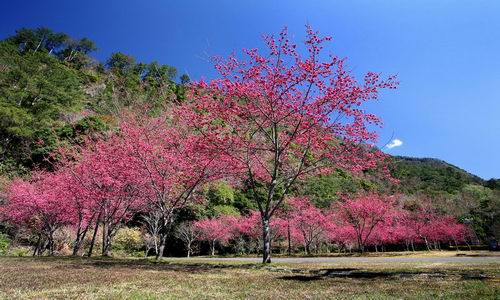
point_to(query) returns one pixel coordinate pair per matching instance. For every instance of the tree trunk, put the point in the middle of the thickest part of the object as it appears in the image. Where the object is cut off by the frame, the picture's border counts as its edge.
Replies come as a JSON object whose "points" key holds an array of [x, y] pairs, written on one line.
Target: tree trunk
{"points": [[42, 249], [76, 243], [427, 244], [51, 243], [106, 242], [39, 240], [156, 245], [163, 242], [289, 239], [188, 249], [167, 222], [468, 245], [360, 243], [80, 237], [212, 247], [94, 236], [38, 46], [266, 237]]}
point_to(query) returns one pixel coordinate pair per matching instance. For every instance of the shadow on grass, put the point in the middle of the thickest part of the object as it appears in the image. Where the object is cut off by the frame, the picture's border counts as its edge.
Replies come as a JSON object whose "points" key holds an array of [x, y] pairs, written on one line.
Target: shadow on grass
{"points": [[150, 265], [313, 275], [338, 273], [141, 264], [301, 278]]}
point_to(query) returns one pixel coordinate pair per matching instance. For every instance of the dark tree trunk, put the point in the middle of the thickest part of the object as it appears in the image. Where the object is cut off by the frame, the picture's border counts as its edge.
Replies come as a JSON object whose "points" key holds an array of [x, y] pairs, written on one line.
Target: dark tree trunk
{"points": [[360, 245], [38, 242], [77, 242], [167, 222], [42, 249], [106, 239], [94, 236], [80, 237], [289, 239], [51, 243], [266, 237]]}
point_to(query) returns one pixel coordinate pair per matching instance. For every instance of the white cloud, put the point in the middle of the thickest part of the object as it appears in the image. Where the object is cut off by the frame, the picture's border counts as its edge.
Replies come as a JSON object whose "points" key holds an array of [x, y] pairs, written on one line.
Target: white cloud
{"points": [[394, 143]]}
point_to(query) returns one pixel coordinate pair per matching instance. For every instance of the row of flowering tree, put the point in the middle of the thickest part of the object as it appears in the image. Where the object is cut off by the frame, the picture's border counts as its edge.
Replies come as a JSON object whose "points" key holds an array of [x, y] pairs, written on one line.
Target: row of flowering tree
{"points": [[270, 119], [365, 221], [148, 166]]}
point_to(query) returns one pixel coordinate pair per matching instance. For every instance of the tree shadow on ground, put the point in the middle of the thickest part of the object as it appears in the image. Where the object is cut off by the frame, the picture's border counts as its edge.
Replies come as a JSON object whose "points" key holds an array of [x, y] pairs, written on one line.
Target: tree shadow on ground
{"points": [[313, 275], [146, 264], [338, 273]]}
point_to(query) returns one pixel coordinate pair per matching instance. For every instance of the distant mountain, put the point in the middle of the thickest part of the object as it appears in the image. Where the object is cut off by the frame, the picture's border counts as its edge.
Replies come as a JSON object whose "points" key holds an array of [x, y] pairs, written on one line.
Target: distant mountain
{"points": [[431, 175]]}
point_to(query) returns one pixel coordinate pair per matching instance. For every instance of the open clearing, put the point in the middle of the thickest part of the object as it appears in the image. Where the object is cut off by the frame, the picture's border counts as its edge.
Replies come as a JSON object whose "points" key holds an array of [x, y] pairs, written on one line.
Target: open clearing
{"points": [[381, 278]]}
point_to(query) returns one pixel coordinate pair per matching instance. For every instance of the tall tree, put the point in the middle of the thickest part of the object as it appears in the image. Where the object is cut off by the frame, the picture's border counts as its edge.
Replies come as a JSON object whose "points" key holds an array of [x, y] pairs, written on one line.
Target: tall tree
{"points": [[171, 164], [283, 116], [104, 173]]}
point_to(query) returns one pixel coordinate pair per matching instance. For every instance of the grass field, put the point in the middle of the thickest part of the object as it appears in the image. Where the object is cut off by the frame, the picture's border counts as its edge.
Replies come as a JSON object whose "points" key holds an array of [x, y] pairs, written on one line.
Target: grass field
{"points": [[78, 278]]}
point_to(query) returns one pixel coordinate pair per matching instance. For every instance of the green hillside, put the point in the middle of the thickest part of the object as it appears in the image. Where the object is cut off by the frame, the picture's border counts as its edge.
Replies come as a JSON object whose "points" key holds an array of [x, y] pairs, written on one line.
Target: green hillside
{"points": [[52, 90], [431, 175]]}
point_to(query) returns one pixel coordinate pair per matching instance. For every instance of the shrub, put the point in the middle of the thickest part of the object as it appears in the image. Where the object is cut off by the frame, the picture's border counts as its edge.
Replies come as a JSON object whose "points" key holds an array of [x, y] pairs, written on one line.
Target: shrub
{"points": [[128, 240], [4, 244], [20, 251]]}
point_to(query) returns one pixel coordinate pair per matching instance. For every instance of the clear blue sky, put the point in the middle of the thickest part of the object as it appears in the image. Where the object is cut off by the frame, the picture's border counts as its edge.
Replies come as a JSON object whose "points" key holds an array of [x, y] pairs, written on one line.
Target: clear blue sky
{"points": [[446, 52]]}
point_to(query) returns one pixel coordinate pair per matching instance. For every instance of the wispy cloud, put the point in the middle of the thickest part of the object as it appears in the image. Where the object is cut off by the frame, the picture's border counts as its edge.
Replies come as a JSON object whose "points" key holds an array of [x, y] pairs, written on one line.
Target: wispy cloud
{"points": [[394, 143]]}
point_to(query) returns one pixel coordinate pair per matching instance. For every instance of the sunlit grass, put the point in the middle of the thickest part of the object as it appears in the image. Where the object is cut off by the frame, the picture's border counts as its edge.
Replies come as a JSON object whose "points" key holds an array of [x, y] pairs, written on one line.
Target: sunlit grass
{"points": [[77, 278]]}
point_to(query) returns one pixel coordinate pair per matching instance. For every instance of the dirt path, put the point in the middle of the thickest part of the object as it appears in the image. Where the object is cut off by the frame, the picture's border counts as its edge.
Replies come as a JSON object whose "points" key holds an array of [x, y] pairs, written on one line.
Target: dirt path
{"points": [[350, 260]]}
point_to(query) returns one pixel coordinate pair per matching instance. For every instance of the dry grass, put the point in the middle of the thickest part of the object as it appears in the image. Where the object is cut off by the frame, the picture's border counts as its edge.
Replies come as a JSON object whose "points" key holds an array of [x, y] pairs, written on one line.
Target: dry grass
{"points": [[75, 278]]}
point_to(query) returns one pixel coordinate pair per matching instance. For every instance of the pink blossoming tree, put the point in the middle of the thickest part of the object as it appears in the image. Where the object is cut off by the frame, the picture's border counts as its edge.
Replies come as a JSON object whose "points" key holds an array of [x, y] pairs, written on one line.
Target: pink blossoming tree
{"points": [[38, 205], [365, 214], [284, 116]]}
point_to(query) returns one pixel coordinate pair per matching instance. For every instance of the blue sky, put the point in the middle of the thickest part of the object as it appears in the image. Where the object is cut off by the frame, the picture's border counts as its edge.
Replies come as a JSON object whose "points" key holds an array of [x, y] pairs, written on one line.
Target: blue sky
{"points": [[446, 54]]}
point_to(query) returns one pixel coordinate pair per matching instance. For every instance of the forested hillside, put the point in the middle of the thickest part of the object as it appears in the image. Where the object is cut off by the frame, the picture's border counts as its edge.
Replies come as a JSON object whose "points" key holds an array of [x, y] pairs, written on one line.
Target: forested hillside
{"points": [[452, 190], [53, 92], [431, 175]]}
